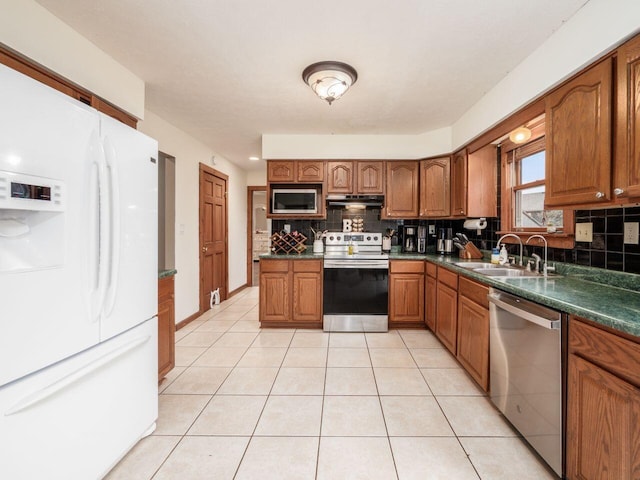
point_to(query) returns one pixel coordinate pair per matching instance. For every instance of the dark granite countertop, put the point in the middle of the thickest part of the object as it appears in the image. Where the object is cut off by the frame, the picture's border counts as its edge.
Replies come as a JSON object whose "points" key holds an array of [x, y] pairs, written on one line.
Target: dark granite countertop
{"points": [[609, 298], [167, 273], [306, 255]]}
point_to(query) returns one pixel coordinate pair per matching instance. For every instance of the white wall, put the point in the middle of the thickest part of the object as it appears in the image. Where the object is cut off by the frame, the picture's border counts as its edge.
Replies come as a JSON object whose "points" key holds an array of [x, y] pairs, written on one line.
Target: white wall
{"points": [[189, 153], [258, 178], [30, 29]]}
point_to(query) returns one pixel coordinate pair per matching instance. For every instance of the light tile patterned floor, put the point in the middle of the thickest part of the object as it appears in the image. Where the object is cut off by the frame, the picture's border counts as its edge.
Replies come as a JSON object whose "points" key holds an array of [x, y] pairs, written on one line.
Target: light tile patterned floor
{"points": [[245, 403]]}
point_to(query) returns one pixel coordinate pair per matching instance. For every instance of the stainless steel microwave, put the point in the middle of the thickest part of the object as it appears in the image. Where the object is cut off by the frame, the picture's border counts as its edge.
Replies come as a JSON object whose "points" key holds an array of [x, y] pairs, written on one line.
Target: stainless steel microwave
{"points": [[294, 200]]}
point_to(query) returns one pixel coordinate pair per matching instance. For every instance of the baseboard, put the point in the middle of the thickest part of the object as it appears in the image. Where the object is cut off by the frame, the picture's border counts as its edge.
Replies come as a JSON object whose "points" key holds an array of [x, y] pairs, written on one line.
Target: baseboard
{"points": [[187, 320], [238, 290]]}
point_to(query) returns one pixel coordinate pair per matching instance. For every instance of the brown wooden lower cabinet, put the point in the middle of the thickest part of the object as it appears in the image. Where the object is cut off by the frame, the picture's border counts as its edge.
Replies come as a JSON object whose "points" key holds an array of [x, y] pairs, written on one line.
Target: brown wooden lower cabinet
{"points": [[406, 293], [473, 330], [447, 308], [603, 405], [166, 327], [430, 296], [290, 293]]}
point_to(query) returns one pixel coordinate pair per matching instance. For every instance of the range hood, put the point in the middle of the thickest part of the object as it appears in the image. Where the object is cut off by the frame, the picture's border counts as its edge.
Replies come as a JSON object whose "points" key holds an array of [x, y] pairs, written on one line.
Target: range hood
{"points": [[355, 201]]}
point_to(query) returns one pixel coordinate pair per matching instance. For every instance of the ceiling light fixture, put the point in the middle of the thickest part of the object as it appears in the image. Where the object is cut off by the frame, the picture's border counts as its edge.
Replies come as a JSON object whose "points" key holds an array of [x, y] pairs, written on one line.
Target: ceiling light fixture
{"points": [[254, 159], [329, 80], [520, 135]]}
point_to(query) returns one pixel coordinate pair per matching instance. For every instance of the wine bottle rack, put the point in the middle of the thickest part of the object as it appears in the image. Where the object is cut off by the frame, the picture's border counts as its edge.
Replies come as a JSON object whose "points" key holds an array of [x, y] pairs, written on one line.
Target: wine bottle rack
{"points": [[287, 243]]}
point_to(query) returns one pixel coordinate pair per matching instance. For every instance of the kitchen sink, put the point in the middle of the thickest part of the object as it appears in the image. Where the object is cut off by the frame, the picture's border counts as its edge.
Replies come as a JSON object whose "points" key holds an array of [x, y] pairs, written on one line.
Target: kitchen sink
{"points": [[474, 265], [505, 272]]}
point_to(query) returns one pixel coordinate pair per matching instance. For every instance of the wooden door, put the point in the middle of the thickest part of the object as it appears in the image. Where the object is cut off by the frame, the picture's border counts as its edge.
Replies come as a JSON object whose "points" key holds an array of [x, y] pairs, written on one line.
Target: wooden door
{"points": [[627, 162], [402, 189], [473, 340], [406, 298], [275, 292], [430, 300], [578, 139], [281, 171], [369, 178], [340, 177], [435, 187], [307, 300], [310, 171], [603, 411], [459, 184], [482, 188], [213, 235]]}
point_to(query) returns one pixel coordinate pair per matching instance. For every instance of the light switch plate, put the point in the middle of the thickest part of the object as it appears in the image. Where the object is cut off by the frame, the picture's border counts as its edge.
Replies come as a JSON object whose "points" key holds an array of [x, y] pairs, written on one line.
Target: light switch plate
{"points": [[631, 233], [584, 232]]}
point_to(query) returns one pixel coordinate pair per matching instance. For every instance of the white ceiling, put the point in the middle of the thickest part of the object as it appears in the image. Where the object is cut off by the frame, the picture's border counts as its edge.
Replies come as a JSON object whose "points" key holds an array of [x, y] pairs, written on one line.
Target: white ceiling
{"points": [[228, 71]]}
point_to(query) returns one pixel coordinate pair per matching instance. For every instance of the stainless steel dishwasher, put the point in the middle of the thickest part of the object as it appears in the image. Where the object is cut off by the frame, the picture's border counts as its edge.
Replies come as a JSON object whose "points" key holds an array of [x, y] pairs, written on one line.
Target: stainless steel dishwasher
{"points": [[526, 371]]}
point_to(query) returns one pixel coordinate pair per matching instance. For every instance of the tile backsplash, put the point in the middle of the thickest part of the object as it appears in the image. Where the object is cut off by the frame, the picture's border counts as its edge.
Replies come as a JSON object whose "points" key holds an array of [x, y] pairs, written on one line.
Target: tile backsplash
{"points": [[607, 250]]}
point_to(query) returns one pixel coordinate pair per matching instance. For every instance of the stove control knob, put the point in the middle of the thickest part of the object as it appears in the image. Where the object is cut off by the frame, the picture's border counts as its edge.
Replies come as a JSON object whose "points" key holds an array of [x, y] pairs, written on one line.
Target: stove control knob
{"points": [[338, 238], [368, 237], [375, 238], [331, 238]]}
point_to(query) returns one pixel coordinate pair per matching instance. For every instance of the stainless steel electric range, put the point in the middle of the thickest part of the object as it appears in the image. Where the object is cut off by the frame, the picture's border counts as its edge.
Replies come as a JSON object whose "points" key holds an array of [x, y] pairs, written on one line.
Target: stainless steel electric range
{"points": [[356, 283]]}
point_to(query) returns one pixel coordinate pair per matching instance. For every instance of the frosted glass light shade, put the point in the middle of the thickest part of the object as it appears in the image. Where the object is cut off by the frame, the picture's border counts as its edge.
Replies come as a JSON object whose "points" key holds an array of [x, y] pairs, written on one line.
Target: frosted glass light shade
{"points": [[329, 80]]}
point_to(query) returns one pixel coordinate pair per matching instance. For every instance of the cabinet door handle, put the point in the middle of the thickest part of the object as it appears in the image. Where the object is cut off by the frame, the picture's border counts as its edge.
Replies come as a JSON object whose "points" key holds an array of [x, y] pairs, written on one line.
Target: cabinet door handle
{"points": [[618, 191], [599, 194]]}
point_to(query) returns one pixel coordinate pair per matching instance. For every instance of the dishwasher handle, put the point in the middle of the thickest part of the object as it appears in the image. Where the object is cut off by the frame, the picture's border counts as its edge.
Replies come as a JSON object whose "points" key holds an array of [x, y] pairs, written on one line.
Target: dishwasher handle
{"points": [[529, 311]]}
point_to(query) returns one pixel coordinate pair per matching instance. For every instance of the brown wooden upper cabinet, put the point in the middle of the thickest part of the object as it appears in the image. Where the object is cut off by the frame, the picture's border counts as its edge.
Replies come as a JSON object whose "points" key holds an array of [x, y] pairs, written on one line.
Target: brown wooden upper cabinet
{"points": [[578, 139], [482, 182], [435, 187], [291, 171], [403, 180], [626, 183], [355, 177], [459, 184]]}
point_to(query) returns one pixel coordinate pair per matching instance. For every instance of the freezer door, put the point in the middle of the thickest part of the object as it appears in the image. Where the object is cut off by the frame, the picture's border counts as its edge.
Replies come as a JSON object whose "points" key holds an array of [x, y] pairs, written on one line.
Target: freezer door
{"points": [[131, 294], [76, 419], [48, 266]]}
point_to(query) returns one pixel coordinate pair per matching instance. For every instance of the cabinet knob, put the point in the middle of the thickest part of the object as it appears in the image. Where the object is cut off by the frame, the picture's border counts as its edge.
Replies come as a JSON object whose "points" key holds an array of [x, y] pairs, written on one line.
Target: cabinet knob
{"points": [[599, 194], [618, 191]]}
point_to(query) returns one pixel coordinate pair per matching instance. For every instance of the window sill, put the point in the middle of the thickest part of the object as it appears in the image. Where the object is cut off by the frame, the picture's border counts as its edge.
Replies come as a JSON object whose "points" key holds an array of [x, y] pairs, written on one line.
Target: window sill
{"points": [[554, 240]]}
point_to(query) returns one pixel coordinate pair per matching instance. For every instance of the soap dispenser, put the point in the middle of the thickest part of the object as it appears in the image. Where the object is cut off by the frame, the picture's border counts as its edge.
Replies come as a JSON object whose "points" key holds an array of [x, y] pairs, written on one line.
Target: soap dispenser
{"points": [[504, 256]]}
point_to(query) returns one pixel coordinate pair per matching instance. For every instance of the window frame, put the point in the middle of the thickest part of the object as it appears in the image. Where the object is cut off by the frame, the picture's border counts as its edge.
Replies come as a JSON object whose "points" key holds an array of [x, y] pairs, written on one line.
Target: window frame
{"points": [[561, 239]]}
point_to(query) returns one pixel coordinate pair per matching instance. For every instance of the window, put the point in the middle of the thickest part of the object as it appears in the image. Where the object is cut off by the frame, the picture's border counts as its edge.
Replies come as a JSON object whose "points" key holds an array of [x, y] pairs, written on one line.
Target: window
{"points": [[527, 185], [523, 188]]}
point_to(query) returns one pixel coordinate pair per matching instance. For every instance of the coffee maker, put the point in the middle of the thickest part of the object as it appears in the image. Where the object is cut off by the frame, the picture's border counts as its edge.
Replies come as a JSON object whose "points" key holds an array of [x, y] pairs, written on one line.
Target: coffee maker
{"points": [[409, 238], [422, 239], [444, 245]]}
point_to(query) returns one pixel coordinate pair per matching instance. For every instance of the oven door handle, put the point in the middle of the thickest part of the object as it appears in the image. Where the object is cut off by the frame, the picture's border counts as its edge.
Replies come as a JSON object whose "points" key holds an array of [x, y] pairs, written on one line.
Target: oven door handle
{"points": [[373, 264]]}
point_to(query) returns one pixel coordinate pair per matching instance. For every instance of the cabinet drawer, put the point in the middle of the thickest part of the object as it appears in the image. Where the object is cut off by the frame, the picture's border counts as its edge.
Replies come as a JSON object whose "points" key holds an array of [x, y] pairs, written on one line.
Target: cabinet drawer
{"points": [[475, 292], [432, 270], [406, 266], [165, 288], [448, 278], [615, 354], [313, 266], [274, 265]]}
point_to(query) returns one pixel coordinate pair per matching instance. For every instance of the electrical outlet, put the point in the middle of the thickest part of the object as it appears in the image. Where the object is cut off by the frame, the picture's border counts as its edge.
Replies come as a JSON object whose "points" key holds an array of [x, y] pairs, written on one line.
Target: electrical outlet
{"points": [[631, 233], [287, 228], [584, 232], [432, 229]]}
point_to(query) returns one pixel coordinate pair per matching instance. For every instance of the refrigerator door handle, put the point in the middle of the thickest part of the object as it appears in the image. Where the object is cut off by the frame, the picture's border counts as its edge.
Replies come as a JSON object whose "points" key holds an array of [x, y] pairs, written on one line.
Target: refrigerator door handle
{"points": [[105, 235], [74, 377], [114, 232]]}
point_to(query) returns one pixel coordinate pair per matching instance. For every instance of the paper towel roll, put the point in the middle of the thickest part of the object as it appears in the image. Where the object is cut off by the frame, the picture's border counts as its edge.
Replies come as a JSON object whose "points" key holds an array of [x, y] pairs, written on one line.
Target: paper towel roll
{"points": [[475, 224]]}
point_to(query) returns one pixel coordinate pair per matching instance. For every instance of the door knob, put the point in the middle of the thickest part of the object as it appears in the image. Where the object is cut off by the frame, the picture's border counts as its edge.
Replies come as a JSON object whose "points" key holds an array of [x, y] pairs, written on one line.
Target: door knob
{"points": [[204, 249]]}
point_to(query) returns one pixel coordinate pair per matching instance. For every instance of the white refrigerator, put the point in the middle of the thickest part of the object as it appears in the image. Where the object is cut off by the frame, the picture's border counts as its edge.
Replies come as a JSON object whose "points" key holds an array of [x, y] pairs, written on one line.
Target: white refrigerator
{"points": [[78, 285]]}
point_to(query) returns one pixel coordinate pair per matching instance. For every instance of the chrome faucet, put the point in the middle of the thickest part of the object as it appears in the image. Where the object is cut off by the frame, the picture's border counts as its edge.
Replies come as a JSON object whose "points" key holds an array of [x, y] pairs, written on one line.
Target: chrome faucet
{"points": [[537, 258], [546, 268], [514, 236]]}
